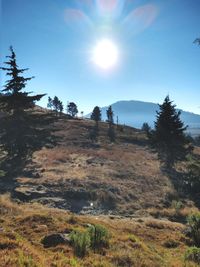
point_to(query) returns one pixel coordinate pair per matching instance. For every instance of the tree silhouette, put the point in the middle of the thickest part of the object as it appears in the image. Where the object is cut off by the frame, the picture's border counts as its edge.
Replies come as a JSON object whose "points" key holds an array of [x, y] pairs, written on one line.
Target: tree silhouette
{"points": [[15, 124], [60, 107], [50, 103], [96, 115], [13, 99], [110, 115], [146, 128], [110, 120], [56, 103], [168, 137], [72, 109]]}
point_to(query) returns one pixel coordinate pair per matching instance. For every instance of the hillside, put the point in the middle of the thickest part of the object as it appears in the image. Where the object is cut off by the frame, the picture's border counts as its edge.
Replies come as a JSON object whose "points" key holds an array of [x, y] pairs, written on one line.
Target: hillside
{"points": [[142, 242], [67, 170], [135, 113], [75, 173], [120, 186]]}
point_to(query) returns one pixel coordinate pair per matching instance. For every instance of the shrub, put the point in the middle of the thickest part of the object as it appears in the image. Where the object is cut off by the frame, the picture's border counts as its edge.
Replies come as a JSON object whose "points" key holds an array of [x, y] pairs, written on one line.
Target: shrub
{"points": [[192, 178], [193, 254], [170, 243], [80, 242], [194, 224], [177, 205], [72, 219], [146, 128], [99, 237]]}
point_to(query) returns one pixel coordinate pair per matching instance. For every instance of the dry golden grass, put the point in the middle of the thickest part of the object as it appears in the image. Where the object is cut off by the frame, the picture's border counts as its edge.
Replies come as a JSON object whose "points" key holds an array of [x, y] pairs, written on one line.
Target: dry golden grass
{"points": [[133, 243], [127, 167], [125, 176]]}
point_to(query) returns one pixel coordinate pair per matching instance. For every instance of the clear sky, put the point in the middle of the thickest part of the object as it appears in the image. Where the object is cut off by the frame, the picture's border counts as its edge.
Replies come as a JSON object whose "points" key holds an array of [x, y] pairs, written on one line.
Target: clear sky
{"points": [[55, 38]]}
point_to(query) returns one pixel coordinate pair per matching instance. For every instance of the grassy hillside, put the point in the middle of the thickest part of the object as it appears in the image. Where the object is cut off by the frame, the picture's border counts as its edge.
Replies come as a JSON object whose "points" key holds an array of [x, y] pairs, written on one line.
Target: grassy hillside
{"points": [[101, 177], [133, 242], [120, 186]]}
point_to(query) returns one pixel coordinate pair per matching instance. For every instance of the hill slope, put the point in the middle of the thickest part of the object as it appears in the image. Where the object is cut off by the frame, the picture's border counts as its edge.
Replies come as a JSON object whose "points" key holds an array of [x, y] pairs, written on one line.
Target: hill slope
{"points": [[120, 183], [85, 177]]}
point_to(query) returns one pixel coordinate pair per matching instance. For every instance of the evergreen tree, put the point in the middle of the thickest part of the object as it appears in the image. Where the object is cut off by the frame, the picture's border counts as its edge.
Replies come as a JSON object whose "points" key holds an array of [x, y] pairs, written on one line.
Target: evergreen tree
{"points": [[96, 115], [110, 120], [72, 109], [110, 115], [168, 137], [60, 107], [13, 99], [50, 103], [55, 104], [146, 128]]}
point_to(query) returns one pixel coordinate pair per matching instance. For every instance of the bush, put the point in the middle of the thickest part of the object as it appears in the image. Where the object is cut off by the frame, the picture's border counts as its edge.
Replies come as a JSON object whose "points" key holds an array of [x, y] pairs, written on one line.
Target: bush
{"points": [[99, 237], [80, 242], [170, 243], [96, 237], [177, 205], [193, 254], [194, 224], [146, 128], [192, 178]]}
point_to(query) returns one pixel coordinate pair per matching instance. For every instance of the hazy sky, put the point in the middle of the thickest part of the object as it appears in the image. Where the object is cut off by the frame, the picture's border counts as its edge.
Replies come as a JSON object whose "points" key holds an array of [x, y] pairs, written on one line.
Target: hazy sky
{"points": [[55, 38]]}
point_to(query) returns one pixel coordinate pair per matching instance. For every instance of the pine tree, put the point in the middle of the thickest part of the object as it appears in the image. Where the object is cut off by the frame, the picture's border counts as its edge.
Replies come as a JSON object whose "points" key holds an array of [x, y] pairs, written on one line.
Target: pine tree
{"points": [[110, 120], [72, 109], [146, 128], [96, 115], [50, 103], [169, 135], [110, 115], [56, 103], [13, 99], [60, 107]]}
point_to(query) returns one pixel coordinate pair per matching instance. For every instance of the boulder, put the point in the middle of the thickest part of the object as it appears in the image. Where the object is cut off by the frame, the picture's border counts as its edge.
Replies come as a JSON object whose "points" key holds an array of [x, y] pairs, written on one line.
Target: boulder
{"points": [[55, 239]]}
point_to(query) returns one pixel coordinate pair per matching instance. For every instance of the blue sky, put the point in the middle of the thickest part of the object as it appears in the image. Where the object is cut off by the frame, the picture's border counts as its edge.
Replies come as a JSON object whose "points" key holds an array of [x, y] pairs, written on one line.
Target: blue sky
{"points": [[155, 39]]}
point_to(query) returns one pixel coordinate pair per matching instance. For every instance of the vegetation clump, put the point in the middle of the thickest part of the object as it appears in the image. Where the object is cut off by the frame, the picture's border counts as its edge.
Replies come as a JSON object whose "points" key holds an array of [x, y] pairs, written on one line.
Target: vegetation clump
{"points": [[193, 254], [80, 242], [99, 237], [194, 227], [96, 237]]}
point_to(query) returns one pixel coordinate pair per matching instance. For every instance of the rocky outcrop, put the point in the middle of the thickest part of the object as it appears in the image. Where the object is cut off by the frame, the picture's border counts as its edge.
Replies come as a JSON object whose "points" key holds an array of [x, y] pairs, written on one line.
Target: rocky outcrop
{"points": [[54, 240]]}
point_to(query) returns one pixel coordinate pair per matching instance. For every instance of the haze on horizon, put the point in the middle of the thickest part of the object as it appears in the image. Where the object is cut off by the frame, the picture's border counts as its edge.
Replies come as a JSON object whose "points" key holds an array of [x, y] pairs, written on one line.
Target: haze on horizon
{"points": [[150, 44]]}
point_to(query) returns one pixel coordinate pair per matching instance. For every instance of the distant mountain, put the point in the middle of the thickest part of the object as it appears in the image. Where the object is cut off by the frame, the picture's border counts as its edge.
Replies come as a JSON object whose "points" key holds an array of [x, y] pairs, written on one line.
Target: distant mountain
{"points": [[134, 113]]}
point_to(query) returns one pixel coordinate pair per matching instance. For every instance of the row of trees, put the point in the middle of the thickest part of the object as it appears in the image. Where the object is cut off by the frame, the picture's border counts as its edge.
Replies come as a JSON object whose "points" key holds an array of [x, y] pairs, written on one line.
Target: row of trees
{"points": [[57, 105]]}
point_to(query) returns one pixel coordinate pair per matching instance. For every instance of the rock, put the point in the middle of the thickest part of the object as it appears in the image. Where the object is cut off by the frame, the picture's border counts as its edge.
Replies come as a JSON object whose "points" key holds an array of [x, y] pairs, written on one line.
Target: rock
{"points": [[25, 193], [55, 239], [53, 202]]}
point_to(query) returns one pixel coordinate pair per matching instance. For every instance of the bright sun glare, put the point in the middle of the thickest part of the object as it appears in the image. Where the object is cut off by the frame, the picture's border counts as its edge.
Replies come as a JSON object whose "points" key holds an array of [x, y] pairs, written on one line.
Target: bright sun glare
{"points": [[105, 54]]}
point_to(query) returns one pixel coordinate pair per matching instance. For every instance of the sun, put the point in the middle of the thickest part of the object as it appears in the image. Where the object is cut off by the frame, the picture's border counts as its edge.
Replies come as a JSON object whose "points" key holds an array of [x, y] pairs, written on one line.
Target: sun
{"points": [[105, 54]]}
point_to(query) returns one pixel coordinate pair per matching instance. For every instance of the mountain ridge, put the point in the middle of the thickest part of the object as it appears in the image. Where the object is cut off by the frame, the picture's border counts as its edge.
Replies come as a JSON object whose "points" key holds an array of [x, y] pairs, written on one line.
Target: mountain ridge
{"points": [[135, 112]]}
